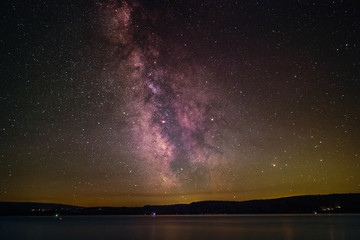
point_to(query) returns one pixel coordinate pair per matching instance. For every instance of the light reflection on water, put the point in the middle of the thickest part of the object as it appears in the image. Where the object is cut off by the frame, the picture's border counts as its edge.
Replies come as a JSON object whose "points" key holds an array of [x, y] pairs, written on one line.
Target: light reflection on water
{"points": [[269, 227]]}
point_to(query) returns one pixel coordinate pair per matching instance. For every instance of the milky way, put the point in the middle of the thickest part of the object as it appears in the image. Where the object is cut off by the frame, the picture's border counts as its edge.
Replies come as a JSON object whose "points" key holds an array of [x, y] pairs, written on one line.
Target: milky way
{"points": [[173, 112]]}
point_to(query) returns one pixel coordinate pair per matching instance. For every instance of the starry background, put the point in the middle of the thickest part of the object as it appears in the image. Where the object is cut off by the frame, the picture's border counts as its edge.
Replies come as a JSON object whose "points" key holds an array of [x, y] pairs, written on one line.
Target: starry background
{"points": [[127, 103]]}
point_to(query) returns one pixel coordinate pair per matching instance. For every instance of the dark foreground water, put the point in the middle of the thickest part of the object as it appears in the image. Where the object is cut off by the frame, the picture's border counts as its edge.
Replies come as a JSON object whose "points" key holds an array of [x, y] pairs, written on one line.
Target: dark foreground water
{"points": [[252, 227]]}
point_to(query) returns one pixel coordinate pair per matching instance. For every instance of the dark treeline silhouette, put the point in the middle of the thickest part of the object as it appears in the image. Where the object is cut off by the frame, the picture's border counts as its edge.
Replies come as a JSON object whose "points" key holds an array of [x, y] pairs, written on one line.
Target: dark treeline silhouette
{"points": [[334, 203]]}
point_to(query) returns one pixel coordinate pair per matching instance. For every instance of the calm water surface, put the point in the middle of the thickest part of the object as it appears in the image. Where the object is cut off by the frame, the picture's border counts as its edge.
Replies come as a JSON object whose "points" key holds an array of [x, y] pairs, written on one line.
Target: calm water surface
{"points": [[254, 227]]}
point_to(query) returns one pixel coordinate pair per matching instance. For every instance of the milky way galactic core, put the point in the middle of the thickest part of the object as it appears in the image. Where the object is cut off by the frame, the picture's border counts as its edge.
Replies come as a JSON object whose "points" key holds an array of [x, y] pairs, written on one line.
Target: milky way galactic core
{"points": [[174, 112]]}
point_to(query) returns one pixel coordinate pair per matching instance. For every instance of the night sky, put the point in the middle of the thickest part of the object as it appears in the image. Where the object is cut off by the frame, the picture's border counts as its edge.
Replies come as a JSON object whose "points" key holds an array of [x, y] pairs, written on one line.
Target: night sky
{"points": [[128, 103]]}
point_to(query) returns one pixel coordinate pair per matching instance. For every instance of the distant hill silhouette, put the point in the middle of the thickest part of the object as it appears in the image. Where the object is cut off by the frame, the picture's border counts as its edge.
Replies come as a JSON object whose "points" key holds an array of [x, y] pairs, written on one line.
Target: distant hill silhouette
{"points": [[333, 203], [31, 208]]}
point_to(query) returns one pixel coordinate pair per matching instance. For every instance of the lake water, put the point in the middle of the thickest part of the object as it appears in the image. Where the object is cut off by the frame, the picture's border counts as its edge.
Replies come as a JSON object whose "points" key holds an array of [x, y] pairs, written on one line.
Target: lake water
{"points": [[252, 227]]}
